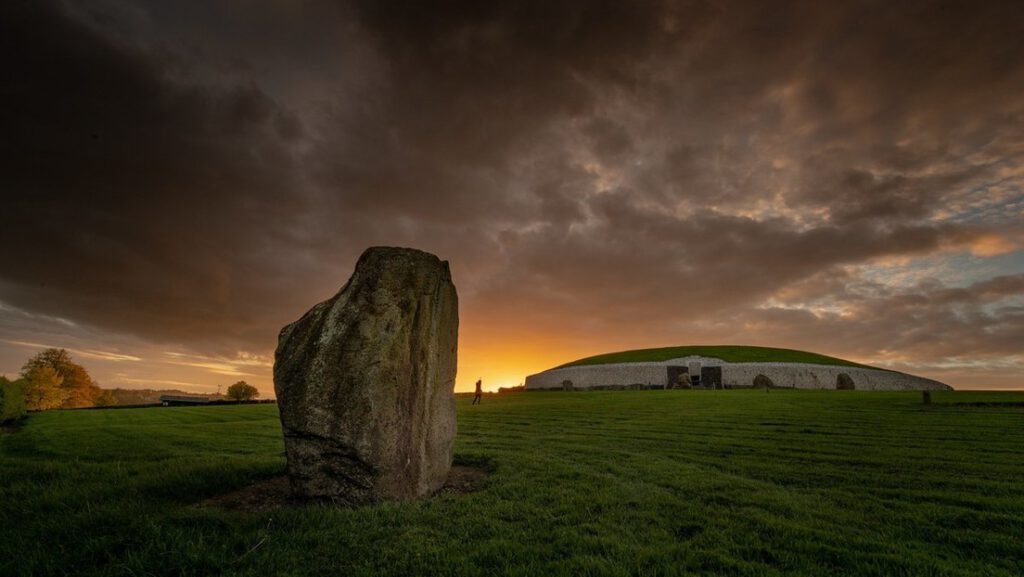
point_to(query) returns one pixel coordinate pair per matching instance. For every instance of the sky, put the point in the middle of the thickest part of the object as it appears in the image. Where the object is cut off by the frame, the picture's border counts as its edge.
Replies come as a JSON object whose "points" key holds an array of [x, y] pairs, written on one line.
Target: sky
{"points": [[182, 179]]}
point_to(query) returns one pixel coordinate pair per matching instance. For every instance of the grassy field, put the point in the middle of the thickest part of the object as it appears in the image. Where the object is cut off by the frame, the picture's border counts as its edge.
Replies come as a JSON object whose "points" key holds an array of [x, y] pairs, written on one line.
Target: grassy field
{"points": [[601, 483], [728, 353]]}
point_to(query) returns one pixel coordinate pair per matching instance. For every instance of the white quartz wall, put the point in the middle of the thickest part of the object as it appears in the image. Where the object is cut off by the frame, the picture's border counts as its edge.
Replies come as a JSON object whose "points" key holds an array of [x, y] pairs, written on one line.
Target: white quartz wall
{"points": [[795, 375], [807, 376], [584, 377]]}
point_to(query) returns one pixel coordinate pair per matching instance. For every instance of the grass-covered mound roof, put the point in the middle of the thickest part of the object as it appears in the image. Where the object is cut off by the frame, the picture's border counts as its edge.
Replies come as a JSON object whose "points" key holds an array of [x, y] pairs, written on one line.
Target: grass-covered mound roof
{"points": [[728, 353]]}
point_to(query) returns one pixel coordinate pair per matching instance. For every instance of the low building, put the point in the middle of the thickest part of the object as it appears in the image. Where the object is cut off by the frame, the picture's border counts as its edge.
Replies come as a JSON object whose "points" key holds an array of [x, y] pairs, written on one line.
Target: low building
{"points": [[183, 400], [780, 368]]}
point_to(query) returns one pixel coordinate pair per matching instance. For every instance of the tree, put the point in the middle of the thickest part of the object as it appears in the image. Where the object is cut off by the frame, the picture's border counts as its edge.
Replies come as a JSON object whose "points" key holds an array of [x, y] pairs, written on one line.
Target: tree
{"points": [[42, 388], [242, 391], [79, 388], [12, 401], [106, 398]]}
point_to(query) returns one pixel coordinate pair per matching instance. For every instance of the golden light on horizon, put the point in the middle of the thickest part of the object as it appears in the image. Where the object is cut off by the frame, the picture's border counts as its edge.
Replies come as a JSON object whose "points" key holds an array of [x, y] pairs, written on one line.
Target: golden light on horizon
{"points": [[505, 363], [593, 191]]}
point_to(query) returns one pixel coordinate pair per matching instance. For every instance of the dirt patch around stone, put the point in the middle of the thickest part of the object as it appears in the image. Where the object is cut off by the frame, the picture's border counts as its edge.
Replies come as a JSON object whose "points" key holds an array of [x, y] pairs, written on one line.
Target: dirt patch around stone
{"points": [[265, 495], [276, 492], [463, 479]]}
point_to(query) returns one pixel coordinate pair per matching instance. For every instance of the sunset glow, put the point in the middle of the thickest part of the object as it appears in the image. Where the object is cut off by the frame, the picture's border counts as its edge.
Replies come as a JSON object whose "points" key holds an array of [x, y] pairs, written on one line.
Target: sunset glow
{"points": [[619, 179]]}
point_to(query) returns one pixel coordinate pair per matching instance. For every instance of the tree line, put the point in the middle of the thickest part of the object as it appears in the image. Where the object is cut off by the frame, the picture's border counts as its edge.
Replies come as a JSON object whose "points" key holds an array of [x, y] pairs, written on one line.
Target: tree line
{"points": [[53, 380]]}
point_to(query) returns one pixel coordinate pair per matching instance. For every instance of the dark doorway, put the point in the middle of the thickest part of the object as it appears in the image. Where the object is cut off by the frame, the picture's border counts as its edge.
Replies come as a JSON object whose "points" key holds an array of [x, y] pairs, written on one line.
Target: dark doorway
{"points": [[711, 377], [844, 382], [677, 377]]}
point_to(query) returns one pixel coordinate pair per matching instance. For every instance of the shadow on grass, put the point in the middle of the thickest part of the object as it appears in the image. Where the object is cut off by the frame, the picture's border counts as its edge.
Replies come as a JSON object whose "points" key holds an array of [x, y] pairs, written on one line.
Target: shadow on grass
{"points": [[468, 475], [10, 428], [988, 404]]}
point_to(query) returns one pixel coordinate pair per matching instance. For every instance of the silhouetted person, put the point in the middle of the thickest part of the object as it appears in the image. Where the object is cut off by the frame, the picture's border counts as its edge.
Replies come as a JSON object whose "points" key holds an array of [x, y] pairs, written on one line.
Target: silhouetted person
{"points": [[479, 392]]}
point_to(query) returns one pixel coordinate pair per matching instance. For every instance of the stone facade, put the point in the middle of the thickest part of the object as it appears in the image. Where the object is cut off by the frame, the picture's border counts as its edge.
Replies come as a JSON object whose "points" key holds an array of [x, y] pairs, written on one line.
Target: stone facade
{"points": [[734, 375]]}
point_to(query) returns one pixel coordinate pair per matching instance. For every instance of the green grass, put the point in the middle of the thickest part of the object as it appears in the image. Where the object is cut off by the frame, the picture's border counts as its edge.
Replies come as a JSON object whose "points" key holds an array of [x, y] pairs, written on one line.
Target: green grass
{"points": [[728, 353], [799, 483]]}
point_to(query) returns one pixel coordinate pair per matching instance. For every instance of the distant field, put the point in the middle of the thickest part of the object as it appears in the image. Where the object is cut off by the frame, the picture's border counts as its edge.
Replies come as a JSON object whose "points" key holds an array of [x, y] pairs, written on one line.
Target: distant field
{"points": [[728, 353], [800, 483]]}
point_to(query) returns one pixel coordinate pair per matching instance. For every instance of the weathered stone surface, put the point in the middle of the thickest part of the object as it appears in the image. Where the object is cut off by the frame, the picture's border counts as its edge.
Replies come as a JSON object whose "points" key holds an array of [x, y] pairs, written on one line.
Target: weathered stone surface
{"points": [[365, 383]]}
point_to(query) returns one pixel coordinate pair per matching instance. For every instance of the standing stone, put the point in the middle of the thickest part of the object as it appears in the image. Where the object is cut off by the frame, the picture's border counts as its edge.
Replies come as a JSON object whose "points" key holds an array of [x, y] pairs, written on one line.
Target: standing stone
{"points": [[365, 383]]}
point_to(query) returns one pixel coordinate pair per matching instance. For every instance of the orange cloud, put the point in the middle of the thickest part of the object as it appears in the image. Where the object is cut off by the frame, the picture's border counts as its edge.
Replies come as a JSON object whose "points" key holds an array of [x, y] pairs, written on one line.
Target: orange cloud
{"points": [[992, 245]]}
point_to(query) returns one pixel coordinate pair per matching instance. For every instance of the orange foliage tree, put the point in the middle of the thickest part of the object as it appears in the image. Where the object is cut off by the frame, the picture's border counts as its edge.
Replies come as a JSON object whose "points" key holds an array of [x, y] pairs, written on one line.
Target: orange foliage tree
{"points": [[77, 388]]}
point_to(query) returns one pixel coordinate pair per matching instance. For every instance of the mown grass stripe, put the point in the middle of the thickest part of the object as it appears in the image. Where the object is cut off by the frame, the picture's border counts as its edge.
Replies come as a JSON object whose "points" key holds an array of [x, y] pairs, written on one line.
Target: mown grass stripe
{"points": [[599, 483]]}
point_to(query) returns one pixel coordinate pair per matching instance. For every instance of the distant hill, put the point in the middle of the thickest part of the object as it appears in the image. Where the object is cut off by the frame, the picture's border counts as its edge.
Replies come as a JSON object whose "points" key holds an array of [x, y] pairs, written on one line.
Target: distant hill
{"points": [[728, 353], [150, 396]]}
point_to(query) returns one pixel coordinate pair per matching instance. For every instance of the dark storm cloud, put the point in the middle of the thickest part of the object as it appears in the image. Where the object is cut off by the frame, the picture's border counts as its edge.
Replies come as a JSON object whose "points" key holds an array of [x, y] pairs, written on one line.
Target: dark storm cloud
{"points": [[201, 172], [132, 200]]}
